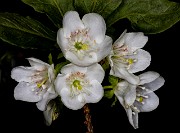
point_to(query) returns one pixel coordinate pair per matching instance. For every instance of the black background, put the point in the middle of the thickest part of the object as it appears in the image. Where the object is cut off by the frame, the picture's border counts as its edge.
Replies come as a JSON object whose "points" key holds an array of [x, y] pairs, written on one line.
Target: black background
{"points": [[23, 116]]}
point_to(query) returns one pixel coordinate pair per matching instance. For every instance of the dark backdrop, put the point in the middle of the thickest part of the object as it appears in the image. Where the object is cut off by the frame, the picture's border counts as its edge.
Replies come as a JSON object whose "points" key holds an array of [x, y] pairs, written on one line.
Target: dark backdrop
{"points": [[19, 116]]}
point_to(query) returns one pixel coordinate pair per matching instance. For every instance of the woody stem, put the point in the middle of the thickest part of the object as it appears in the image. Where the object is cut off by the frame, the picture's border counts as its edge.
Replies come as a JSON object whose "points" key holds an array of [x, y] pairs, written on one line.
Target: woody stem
{"points": [[87, 121]]}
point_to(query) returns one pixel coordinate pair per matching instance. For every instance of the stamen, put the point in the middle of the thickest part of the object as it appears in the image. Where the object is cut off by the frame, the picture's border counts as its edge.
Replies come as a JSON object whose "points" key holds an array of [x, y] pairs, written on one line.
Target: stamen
{"points": [[142, 87], [146, 96], [135, 60], [39, 85]]}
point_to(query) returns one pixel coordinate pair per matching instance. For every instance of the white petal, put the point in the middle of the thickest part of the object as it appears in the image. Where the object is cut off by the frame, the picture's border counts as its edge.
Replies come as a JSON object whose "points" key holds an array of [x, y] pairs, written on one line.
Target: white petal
{"points": [[121, 100], [127, 92], [48, 114], [130, 95], [71, 68], [148, 77], [96, 25], [71, 23], [95, 72], [121, 88], [120, 40], [41, 105], [143, 61], [51, 73], [86, 61], [22, 73], [133, 118], [62, 41], [37, 64], [95, 92], [23, 91], [105, 48], [124, 74], [70, 102], [60, 82], [135, 40], [150, 103], [156, 84]]}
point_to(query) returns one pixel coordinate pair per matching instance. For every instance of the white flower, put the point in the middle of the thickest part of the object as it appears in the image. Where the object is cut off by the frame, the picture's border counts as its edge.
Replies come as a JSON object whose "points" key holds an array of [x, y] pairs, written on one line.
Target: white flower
{"points": [[139, 98], [35, 83], [80, 85], [83, 42], [127, 57]]}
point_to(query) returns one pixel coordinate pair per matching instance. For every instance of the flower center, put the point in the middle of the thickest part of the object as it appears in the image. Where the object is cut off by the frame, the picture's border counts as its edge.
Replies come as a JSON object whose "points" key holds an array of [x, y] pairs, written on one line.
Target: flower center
{"points": [[77, 84], [121, 54], [41, 79], [81, 44], [141, 97]]}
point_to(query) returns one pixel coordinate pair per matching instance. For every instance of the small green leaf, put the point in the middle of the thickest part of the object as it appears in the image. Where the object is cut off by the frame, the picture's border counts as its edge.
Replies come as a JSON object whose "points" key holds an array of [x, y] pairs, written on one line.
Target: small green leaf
{"points": [[59, 66], [25, 32], [61, 55], [103, 7], [50, 61], [149, 16], [55, 9]]}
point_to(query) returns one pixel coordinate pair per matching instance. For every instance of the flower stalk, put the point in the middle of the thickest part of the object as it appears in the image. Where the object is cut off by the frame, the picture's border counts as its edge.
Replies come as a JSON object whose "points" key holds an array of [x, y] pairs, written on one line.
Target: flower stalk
{"points": [[87, 121]]}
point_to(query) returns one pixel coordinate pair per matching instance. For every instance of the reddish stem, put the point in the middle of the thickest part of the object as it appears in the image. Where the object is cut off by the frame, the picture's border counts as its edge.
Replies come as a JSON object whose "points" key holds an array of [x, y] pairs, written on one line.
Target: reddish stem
{"points": [[87, 121]]}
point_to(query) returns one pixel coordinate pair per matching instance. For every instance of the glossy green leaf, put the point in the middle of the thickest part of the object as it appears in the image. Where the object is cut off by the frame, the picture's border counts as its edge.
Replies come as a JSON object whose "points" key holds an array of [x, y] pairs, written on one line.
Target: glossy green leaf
{"points": [[103, 7], [149, 16], [25, 32], [55, 9]]}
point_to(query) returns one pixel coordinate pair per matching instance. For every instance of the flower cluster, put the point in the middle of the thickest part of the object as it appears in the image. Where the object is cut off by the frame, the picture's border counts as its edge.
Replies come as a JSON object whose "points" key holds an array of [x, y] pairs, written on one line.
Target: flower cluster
{"points": [[85, 45]]}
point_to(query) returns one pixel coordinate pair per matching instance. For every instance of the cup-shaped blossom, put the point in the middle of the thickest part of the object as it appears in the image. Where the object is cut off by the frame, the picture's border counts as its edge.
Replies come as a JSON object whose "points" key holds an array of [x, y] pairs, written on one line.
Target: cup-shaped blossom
{"points": [[139, 98], [36, 83], [127, 57], [83, 42], [80, 85]]}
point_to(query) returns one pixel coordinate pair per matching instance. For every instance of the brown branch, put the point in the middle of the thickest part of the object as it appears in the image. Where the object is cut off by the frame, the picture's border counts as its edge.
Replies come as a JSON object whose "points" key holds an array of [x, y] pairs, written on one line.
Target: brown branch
{"points": [[87, 121]]}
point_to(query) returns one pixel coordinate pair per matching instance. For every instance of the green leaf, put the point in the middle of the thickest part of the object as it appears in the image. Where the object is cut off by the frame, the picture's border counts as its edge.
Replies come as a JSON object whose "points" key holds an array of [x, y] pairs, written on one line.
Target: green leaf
{"points": [[149, 16], [55, 9], [60, 65], [50, 61], [103, 7], [25, 32], [60, 55]]}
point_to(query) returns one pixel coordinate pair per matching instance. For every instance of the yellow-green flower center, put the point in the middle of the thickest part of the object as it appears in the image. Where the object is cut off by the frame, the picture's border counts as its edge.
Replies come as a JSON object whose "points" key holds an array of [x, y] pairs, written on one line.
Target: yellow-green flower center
{"points": [[140, 99], [81, 46], [77, 84]]}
